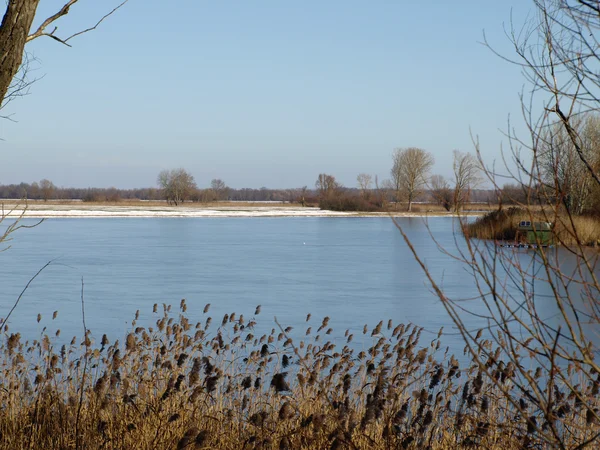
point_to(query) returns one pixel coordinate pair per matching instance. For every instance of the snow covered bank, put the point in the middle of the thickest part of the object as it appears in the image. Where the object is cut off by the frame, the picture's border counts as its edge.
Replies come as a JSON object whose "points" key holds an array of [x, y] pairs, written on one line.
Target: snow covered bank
{"points": [[50, 210], [43, 211]]}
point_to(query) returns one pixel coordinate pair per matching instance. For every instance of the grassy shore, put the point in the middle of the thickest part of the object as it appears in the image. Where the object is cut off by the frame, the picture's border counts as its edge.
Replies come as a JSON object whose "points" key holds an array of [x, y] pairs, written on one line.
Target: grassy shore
{"points": [[502, 225], [215, 384]]}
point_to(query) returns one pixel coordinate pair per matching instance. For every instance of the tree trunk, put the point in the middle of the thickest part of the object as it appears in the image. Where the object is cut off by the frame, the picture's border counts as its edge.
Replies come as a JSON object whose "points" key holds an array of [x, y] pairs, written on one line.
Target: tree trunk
{"points": [[13, 36]]}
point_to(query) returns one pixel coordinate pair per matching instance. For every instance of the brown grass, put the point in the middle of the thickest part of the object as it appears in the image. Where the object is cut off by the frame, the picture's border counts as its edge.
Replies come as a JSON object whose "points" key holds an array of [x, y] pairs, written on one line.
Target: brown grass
{"points": [[438, 209], [568, 230], [216, 384]]}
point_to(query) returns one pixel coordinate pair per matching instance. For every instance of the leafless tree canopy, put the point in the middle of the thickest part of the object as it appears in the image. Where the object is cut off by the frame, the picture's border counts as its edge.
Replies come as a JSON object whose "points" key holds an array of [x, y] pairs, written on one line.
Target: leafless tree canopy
{"points": [[364, 181], [15, 32], [410, 171], [177, 185], [561, 168], [467, 176], [47, 189], [326, 185], [219, 189], [441, 191]]}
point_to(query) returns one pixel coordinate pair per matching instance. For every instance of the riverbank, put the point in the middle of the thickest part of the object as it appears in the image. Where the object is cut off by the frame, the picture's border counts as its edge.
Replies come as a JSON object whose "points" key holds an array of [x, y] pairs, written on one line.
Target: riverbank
{"points": [[72, 209], [502, 225]]}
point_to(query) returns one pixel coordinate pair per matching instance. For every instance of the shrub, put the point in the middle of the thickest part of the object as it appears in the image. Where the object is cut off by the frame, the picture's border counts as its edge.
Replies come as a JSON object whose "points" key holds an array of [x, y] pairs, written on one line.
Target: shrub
{"points": [[349, 202]]}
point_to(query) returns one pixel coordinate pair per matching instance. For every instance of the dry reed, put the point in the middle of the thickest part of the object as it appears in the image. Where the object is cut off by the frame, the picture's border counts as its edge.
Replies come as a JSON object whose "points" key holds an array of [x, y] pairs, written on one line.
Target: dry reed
{"points": [[178, 385], [502, 225]]}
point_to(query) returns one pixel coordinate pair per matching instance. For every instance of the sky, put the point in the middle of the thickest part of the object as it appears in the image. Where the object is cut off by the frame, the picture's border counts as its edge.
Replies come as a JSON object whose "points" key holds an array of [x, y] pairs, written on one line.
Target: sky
{"points": [[264, 93]]}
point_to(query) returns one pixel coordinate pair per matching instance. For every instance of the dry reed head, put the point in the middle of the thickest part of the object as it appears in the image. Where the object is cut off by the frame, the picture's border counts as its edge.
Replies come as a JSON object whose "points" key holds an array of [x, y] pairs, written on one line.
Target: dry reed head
{"points": [[173, 386]]}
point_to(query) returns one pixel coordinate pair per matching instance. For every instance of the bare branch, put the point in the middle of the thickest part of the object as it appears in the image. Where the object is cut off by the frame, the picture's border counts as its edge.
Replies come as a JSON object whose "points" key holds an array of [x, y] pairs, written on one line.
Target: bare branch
{"points": [[41, 31], [97, 23]]}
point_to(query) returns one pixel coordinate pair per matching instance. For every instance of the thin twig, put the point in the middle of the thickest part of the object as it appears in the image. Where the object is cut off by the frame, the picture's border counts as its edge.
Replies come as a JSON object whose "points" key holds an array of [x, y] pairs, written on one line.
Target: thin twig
{"points": [[83, 376], [5, 321]]}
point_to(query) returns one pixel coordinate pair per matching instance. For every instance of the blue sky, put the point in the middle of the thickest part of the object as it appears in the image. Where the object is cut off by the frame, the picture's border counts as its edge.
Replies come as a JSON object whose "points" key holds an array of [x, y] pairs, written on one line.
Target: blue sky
{"points": [[264, 93]]}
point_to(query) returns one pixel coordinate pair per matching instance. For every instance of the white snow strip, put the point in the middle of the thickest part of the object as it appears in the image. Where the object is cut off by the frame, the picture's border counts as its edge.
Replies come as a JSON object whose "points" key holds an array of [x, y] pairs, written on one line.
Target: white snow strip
{"points": [[99, 211], [175, 212]]}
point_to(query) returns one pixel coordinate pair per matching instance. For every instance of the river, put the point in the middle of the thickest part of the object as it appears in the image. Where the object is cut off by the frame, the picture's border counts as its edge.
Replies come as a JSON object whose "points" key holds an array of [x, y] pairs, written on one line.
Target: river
{"points": [[357, 271]]}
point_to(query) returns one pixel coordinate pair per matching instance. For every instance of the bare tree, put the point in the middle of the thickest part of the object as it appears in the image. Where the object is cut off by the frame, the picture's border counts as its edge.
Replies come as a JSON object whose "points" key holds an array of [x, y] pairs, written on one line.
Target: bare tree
{"points": [[219, 189], [560, 166], [467, 176], [326, 185], [387, 189], [34, 190], [441, 191], [410, 171], [47, 189], [364, 183], [15, 33], [177, 185], [303, 193]]}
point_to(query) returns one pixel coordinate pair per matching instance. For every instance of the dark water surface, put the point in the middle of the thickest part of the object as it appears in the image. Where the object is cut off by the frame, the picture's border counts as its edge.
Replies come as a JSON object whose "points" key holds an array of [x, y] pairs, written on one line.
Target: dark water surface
{"points": [[356, 270]]}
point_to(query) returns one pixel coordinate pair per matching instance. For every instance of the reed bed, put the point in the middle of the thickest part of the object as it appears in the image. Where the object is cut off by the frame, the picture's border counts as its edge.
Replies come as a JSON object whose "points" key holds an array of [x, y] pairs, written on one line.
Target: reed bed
{"points": [[502, 225], [215, 384]]}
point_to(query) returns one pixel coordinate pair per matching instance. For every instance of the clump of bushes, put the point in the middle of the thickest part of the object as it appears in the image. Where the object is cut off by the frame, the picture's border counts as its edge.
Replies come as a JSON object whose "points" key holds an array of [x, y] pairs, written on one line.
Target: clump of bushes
{"points": [[352, 202], [101, 195], [180, 385]]}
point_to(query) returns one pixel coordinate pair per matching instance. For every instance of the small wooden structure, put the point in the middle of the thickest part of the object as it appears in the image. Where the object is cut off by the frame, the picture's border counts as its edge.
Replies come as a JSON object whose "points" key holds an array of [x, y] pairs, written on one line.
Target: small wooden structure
{"points": [[535, 233]]}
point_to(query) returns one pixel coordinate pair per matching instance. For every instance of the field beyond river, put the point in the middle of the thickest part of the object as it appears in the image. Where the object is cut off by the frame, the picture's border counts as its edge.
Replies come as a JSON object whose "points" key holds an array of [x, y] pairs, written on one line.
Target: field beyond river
{"points": [[139, 208]]}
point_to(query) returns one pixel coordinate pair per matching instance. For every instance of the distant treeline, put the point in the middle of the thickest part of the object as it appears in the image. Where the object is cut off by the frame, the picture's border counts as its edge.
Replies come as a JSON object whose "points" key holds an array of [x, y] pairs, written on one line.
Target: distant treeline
{"points": [[37, 191], [46, 190]]}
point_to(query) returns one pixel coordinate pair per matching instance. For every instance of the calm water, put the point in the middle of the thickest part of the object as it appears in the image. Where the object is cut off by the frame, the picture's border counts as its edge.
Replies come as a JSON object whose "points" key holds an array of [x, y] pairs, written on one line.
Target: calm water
{"points": [[355, 270]]}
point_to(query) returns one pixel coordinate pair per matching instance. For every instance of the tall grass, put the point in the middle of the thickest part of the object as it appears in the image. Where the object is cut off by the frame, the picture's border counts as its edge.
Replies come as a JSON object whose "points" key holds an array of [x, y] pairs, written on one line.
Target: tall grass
{"points": [[503, 225], [215, 384]]}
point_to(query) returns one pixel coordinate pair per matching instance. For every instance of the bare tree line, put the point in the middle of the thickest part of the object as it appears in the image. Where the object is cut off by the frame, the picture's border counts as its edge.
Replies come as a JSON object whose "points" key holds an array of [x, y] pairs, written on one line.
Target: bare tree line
{"points": [[411, 178]]}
